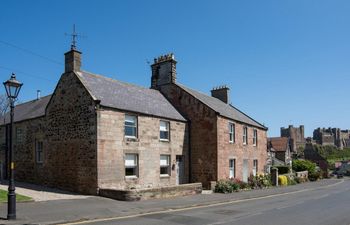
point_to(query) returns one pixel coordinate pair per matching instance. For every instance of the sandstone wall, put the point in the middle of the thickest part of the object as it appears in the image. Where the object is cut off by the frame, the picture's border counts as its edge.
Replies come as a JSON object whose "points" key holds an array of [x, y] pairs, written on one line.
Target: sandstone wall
{"points": [[112, 147], [238, 150]]}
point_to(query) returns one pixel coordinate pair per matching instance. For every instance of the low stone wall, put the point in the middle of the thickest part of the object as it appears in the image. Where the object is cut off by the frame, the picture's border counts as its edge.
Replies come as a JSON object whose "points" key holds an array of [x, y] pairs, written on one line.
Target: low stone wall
{"points": [[152, 193], [303, 174]]}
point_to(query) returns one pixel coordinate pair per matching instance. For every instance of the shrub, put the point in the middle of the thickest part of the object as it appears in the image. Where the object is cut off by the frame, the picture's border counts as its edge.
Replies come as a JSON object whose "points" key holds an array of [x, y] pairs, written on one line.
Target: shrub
{"points": [[259, 181], [282, 169], [282, 180], [315, 176], [301, 180], [291, 180], [226, 186], [304, 165]]}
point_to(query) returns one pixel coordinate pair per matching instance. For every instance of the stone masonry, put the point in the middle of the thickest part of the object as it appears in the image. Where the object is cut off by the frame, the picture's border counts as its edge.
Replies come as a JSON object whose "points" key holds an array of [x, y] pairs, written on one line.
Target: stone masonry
{"points": [[112, 146]]}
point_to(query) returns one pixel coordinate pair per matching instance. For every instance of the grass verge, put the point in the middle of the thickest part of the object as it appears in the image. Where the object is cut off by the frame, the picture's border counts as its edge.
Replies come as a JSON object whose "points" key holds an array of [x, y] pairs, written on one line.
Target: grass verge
{"points": [[19, 198]]}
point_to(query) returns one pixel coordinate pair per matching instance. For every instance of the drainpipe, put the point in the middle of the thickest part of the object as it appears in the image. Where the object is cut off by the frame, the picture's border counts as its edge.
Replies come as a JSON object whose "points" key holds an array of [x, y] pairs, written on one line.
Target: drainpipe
{"points": [[189, 153]]}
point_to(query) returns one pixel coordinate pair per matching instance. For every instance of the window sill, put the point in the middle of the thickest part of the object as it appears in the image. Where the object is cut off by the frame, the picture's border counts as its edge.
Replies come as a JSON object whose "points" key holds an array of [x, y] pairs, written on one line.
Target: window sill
{"points": [[131, 139], [164, 176], [231, 142], [131, 177], [164, 140]]}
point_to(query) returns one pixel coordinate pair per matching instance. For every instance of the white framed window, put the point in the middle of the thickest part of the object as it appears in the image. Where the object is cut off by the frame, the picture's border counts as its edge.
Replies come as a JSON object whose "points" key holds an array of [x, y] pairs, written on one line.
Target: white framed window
{"points": [[232, 168], [255, 167], [255, 137], [130, 126], [164, 165], [131, 165], [164, 131], [245, 135], [39, 156], [231, 130]]}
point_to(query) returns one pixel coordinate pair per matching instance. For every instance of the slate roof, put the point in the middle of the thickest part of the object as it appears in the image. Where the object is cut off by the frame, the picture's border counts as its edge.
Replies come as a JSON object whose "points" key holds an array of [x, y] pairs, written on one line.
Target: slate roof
{"points": [[226, 110], [28, 110], [279, 144], [115, 94]]}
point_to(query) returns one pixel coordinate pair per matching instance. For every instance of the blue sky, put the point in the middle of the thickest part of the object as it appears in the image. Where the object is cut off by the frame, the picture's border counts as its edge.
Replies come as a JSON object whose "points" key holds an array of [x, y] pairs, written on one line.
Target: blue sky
{"points": [[286, 62]]}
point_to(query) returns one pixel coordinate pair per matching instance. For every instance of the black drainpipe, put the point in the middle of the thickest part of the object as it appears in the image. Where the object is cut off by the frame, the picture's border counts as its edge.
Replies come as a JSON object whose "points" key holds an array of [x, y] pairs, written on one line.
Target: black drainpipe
{"points": [[189, 153]]}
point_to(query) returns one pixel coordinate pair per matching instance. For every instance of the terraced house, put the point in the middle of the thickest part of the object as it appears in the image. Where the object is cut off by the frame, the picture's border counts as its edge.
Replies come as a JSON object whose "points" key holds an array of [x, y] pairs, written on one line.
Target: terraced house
{"points": [[97, 133], [224, 142]]}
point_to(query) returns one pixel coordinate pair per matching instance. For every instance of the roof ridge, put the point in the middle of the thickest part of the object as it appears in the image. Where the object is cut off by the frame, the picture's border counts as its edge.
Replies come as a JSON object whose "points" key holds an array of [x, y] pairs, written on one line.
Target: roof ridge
{"points": [[247, 115], [115, 80], [33, 100], [222, 105]]}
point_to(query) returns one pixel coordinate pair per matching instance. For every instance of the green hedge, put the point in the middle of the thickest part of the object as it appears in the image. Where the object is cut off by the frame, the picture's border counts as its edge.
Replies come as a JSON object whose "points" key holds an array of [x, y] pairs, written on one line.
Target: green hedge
{"points": [[304, 165]]}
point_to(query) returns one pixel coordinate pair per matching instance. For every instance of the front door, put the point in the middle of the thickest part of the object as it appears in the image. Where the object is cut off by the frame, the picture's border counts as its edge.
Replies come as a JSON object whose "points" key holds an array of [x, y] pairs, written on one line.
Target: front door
{"points": [[179, 169], [245, 170]]}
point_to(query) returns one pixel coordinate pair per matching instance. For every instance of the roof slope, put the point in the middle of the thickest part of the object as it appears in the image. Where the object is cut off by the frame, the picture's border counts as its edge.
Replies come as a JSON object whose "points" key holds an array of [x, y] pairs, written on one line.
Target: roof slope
{"points": [[28, 110], [279, 144], [226, 110], [129, 97]]}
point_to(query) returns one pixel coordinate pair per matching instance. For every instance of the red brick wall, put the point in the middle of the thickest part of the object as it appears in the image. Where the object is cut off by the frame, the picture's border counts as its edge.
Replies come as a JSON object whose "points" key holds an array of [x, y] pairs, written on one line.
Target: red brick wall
{"points": [[203, 133], [237, 150]]}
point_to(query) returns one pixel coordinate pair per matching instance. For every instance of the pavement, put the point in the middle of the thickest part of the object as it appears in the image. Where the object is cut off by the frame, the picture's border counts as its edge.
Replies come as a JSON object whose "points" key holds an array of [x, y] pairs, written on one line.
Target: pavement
{"points": [[41, 193], [89, 208]]}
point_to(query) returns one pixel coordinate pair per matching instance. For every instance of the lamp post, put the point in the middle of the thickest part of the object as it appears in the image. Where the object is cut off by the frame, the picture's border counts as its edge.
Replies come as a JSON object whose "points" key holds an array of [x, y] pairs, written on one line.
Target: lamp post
{"points": [[12, 87]]}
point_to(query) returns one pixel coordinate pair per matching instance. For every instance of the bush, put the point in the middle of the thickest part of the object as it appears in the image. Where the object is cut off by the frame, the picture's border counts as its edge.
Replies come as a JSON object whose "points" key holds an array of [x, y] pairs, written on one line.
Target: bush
{"points": [[226, 186], [282, 169], [259, 181], [291, 180], [301, 180], [315, 176], [282, 180], [304, 165]]}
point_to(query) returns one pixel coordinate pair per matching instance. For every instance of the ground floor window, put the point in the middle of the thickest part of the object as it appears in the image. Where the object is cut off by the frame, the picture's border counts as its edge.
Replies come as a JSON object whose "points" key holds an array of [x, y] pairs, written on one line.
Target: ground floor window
{"points": [[164, 165], [131, 165], [255, 167], [232, 165]]}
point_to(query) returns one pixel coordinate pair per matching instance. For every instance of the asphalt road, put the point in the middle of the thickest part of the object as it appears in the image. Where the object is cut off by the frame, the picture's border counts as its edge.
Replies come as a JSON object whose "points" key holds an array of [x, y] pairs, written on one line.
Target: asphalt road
{"points": [[324, 206]]}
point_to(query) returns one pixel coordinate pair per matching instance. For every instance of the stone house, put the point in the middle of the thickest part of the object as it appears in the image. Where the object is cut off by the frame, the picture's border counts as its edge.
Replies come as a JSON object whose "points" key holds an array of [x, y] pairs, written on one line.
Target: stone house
{"points": [[94, 132], [224, 142], [281, 149]]}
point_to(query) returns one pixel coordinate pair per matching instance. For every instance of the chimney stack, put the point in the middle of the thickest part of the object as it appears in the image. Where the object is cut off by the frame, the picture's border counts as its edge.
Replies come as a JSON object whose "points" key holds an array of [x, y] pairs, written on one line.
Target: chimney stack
{"points": [[163, 70], [72, 61], [38, 92], [221, 93]]}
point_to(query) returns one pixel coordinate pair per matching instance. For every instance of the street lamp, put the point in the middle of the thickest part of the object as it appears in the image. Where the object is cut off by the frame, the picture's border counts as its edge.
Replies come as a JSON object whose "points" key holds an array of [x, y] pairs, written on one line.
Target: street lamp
{"points": [[12, 87]]}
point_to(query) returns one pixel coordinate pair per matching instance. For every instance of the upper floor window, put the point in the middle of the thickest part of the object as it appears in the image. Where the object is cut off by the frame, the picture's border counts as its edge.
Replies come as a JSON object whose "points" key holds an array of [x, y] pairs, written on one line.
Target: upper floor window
{"points": [[255, 137], [39, 151], [231, 128], [245, 135], [130, 127], [164, 165], [164, 130], [131, 165]]}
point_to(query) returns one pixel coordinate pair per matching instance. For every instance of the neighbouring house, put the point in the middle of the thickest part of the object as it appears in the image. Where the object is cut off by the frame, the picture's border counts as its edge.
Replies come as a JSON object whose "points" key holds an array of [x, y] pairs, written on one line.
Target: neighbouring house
{"points": [[95, 134], [224, 142], [280, 151]]}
